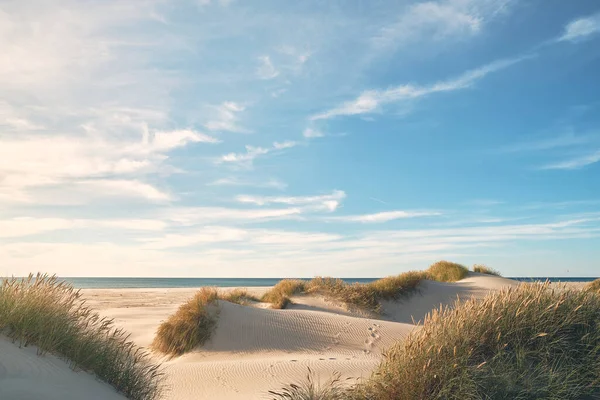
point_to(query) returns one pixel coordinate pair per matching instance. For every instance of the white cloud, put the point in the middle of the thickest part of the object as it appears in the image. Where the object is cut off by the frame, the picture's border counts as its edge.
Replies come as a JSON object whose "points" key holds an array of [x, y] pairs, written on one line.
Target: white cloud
{"points": [[370, 100], [284, 145], [312, 133], [125, 188], [436, 20], [385, 216], [198, 215], [246, 159], [271, 183], [266, 70], [226, 118], [581, 28], [566, 140], [329, 202], [165, 141], [576, 163]]}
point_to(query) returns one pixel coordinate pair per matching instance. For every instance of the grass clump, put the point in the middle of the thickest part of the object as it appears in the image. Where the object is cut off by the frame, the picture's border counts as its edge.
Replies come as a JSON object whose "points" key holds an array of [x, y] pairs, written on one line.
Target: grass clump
{"points": [[191, 326], [43, 311], [593, 286], [482, 269], [309, 389], [528, 342], [279, 295], [239, 296], [446, 271]]}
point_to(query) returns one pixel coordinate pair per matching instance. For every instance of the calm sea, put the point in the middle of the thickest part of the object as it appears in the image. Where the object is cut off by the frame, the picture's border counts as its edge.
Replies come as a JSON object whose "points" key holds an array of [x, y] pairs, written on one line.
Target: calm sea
{"points": [[110, 283]]}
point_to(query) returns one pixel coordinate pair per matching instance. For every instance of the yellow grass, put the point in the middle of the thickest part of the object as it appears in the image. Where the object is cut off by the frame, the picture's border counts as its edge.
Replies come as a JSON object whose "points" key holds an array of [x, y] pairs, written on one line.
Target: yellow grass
{"points": [[191, 326], [446, 271], [593, 286], [238, 296], [43, 311], [482, 269]]}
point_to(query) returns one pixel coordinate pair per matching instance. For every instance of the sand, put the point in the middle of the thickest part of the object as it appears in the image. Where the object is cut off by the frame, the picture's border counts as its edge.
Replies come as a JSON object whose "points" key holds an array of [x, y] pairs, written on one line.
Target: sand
{"points": [[253, 349]]}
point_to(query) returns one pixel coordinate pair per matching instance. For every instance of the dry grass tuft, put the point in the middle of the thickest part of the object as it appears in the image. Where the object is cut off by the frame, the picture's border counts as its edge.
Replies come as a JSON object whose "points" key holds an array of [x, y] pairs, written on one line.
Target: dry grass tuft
{"points": [[593, 286], [309, 389], [238, 296], [43, 311], [446, 271], [482, 269], [279, 295], [528, 342], [191, 326]]}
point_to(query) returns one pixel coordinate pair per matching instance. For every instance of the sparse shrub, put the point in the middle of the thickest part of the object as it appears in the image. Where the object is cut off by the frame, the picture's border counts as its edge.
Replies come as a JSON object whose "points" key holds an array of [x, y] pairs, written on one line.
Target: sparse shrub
{"points": [[593, 286], [309, 389], [279, 294], [43, 311], [446, 271], [528, 342], [482, 269], [238, 296], [191, 325]]}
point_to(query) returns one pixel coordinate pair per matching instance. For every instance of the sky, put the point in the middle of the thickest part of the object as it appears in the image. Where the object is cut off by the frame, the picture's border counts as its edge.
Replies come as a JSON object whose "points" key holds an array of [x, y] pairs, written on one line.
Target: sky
{"points": [[355, 138]]}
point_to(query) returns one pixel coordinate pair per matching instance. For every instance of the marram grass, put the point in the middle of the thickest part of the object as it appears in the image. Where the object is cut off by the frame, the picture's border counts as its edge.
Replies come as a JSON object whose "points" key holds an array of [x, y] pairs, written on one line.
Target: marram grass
{"points": [[43, 311], [367, 296], [191, 325], [483, 269], [528, 342], [593, 286]]}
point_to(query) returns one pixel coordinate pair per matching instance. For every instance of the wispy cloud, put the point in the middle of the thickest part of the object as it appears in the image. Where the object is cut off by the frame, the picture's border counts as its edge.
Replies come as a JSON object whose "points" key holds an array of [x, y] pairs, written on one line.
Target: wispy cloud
{"points": [[370, 100], [437, 20], [385, 216], [328, 202], [226, 117], [266, 70], [270, 183], [576, 162], [581, 28], [547, 143], [247, 159], [310, 133]]}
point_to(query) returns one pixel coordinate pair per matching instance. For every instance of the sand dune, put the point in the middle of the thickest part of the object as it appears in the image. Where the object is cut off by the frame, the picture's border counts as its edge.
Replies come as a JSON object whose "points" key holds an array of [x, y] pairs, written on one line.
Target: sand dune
{"points": [[255, 349], [26, 376]]}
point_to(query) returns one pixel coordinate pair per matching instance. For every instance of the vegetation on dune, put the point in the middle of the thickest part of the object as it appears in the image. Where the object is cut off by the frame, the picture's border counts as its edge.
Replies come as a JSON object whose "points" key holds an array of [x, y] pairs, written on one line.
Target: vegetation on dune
{"points": [[593, 286], [483, 269], [238, 296], [43, 311], [190, 326], [366, 296], [309, 389], [279, 295], [446, 271], [527, 342]]}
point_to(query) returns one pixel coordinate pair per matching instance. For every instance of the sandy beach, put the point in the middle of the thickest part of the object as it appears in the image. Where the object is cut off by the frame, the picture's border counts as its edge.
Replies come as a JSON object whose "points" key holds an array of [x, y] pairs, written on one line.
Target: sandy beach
{"points": [[253, 349]]}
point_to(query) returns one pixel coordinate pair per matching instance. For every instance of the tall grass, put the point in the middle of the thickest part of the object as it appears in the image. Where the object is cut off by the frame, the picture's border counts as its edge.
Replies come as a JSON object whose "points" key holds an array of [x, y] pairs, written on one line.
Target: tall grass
{"points": [[528, 342], [311, 389], [191, 326], [482, 269], [279, 295], [43, 311], [238, 296], [593, 286], [366, 296], [446, 271]]}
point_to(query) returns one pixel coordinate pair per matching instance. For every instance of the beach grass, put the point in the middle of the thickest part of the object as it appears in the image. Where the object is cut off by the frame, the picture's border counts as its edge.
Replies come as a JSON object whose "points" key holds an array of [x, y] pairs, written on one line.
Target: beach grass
{"points": [[446, 271], [483, 269], [43, 311], [239, 296], [366, 296], [191, 325], [527, 342], [593, 286], [311, 389]]}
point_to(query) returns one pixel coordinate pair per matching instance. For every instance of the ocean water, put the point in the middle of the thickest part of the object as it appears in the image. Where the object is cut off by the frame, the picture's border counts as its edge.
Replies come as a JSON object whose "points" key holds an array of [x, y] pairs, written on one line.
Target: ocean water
{"points": [[115, 283]]}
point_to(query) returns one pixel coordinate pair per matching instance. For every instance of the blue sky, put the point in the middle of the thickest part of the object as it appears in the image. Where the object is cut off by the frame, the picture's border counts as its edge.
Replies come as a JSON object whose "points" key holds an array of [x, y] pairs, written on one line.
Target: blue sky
{"points": [[223, 138]]}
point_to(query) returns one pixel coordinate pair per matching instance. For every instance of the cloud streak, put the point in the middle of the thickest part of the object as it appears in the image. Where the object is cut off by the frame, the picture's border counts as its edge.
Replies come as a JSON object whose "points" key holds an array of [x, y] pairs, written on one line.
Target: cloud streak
{"points": [[581, 28], [371, 100], [384, 216]]}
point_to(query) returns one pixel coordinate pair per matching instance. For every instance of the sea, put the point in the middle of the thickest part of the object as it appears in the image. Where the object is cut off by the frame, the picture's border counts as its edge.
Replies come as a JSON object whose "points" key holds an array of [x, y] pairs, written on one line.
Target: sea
{"points": [[122, 283]]}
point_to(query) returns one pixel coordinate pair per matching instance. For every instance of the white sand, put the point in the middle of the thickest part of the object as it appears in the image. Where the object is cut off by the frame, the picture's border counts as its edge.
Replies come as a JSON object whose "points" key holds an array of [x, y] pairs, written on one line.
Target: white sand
{"points": [[253, 349]]}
